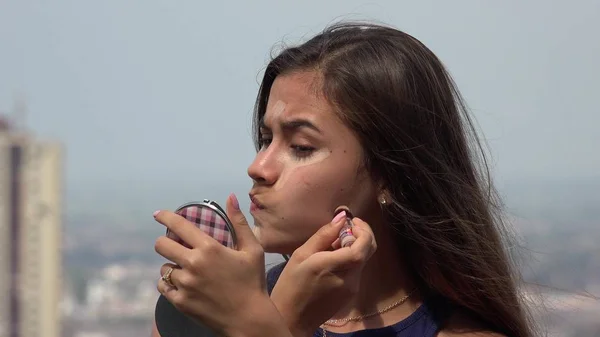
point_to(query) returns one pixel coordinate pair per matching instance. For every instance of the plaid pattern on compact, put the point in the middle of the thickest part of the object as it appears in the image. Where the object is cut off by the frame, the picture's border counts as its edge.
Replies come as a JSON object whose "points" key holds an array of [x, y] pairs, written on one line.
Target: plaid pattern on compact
{"points": [[208, 221]]}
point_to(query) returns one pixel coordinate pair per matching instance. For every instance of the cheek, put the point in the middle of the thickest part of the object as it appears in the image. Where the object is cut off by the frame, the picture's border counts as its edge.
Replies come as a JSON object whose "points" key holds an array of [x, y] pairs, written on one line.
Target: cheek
{"points": [[314, 193], [323, 190], [317, 184], [306, 201]]}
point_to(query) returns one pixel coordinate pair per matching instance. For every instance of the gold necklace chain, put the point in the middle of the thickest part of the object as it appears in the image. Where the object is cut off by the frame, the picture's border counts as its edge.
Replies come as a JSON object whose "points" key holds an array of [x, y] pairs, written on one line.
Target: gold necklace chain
{"points": [[334, 322]]}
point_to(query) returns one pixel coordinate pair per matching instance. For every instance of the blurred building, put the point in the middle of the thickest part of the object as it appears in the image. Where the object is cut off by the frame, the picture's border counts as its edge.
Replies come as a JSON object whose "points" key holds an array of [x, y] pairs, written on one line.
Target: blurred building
{"points": [[30, 234]]}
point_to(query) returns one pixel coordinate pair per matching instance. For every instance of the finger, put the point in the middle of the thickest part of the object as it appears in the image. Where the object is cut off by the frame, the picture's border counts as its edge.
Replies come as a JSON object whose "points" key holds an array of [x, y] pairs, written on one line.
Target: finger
{"points": [[170, 293], [164, 288], [171, 250], [166, 266], [184, 229], [354, 256], [175, 274], [363, 232], [337, 244], [244, 235], [324, 238]]}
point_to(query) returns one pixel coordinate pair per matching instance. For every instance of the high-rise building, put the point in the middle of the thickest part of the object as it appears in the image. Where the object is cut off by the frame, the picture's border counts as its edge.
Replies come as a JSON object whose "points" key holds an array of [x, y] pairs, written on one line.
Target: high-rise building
{"points": [[31, 178]]}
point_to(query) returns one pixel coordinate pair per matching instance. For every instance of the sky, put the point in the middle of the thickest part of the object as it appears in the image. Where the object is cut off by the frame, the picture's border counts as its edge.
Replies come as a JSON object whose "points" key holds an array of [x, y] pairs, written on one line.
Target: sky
{"points": [[159, 94]]}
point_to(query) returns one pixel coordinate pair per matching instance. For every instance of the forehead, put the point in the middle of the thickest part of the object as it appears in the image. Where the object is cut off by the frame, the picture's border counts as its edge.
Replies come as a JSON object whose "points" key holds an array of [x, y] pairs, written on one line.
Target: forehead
{"points": [[297, 95]]}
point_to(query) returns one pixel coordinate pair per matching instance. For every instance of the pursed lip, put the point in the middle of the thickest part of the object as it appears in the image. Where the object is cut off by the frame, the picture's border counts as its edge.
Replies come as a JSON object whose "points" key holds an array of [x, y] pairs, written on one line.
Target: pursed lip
{"points": [[255, 204]]}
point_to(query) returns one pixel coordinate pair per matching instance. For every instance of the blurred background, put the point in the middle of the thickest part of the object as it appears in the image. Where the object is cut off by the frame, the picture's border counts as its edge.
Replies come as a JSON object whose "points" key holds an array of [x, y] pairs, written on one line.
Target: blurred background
{"points": [[110, 110]]}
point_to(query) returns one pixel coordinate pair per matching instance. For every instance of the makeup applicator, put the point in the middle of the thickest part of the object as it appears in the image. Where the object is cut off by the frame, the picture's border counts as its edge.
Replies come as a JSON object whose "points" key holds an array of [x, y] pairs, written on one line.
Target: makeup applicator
{"points": [[346, 237]]}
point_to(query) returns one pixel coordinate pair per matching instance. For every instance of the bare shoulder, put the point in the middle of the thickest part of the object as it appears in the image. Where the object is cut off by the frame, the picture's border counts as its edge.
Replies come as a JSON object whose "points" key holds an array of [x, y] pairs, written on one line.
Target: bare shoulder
{"points": [[461, 324]]}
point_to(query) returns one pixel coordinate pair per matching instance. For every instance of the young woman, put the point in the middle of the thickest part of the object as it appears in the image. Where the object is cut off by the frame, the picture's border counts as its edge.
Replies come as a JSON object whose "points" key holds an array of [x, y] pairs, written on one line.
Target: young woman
{"points": [[364, 116]]}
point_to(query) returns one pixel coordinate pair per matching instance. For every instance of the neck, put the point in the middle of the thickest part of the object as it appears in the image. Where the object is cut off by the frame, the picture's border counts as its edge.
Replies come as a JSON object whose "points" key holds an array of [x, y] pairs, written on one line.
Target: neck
{"points": [[384, 281]]}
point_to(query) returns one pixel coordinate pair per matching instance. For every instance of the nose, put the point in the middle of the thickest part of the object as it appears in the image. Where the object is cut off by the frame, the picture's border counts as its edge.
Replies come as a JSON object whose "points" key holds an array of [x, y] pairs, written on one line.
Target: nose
{"points": [[265, 168]]}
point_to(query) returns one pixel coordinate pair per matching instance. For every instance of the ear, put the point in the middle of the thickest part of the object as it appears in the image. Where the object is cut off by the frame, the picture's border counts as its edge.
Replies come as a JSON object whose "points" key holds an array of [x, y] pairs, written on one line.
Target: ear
{"points": [[384, 197]]}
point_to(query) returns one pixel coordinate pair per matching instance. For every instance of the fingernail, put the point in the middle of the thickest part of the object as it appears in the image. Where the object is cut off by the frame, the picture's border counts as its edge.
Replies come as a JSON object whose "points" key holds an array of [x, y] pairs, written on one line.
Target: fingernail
{"points": [[234, 201], [341, 215], [345, 235], [155, 213]]}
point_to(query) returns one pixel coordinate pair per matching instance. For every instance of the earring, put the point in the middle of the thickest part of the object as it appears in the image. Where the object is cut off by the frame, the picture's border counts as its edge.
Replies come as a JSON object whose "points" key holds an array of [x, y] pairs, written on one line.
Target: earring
{"points": [[382, 200]]}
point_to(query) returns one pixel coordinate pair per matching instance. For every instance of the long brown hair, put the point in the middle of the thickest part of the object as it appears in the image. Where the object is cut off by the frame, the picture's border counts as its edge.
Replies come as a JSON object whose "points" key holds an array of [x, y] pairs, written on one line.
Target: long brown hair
{"points": [[420, 142]]}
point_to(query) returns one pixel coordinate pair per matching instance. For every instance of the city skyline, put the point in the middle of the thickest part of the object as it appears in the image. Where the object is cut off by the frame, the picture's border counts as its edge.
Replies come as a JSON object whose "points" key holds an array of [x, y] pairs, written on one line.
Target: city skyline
{"points": [[31, 215], [138, 95]]}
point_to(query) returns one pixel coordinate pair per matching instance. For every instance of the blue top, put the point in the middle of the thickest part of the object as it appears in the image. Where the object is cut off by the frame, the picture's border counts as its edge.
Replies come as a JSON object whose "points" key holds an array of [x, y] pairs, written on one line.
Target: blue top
{"points": [[426, 321]]}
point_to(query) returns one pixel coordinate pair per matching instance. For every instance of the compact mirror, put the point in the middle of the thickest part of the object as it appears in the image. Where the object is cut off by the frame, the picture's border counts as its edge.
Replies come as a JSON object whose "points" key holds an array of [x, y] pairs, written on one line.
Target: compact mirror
{"points": [[211, 219]]}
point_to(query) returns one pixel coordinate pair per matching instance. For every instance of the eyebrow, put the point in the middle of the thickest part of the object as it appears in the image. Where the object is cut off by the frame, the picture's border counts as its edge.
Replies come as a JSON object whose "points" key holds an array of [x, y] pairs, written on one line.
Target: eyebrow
{"points": [[292, 125]]}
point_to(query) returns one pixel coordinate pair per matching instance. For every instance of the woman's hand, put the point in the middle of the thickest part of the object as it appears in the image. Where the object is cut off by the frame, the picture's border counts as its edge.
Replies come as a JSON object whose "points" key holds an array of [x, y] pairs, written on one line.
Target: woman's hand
{"points": [[317, 282], [221, 287]]}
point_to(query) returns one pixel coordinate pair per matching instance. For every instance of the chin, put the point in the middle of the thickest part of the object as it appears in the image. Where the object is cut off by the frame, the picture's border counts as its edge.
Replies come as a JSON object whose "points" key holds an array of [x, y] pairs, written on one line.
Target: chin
{"points": [[276, 246], [276, 239]]}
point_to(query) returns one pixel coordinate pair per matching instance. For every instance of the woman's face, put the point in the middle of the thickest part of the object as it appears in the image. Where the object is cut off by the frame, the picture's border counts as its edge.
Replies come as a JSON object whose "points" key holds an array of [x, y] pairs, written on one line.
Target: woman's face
{"points": [[309, 164]]}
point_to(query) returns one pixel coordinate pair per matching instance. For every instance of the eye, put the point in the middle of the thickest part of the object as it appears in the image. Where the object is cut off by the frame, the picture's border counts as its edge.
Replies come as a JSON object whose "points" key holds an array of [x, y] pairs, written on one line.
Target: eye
{"points": [[303, 151], [265, 141]]}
